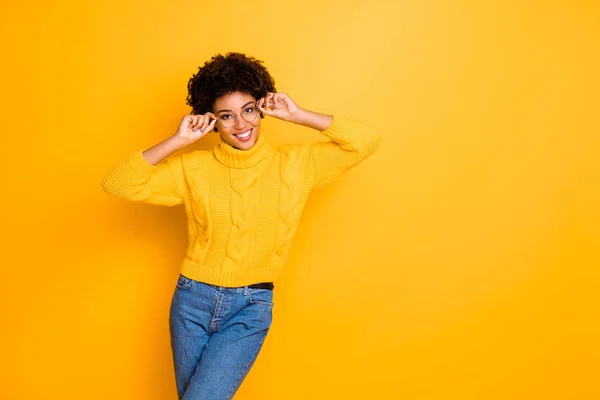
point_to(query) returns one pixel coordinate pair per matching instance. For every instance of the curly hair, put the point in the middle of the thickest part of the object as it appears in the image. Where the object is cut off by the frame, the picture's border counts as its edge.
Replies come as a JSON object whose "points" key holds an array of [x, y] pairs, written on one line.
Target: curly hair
{"points": [[222, 75]]}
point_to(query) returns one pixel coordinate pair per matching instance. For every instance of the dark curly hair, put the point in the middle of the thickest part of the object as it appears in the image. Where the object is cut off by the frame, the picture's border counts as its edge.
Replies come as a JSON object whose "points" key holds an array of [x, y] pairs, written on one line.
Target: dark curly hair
{"points": [[222, 75]]}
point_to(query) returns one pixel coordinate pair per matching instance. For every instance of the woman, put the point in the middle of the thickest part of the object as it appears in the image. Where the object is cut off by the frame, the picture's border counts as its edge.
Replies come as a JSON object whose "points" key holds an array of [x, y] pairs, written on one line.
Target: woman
{"points": [[243, 200]]}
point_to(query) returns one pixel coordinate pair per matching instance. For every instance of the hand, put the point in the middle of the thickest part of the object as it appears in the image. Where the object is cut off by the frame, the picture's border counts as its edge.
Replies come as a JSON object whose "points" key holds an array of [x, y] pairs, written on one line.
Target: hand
{"points": [[279, 105], [193, 127]]}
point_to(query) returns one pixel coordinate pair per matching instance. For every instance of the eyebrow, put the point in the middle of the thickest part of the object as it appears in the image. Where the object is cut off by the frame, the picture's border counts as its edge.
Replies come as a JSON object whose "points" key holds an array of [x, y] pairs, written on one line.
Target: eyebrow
{"points": [[250, 102]]}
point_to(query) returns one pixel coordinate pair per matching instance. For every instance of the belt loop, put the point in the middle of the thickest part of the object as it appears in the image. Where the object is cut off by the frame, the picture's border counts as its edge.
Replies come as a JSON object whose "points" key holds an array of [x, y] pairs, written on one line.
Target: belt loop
{"points": [[246, 290]]}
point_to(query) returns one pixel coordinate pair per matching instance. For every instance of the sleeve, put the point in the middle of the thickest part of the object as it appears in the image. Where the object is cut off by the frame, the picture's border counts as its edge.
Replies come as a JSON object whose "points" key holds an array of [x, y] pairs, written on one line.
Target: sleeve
{"points": [[351, 142], [136, 179]]}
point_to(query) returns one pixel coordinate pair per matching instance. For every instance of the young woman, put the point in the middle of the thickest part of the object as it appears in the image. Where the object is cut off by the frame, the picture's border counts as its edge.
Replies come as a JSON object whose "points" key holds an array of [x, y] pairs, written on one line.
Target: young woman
{"points": [[243, 200]]}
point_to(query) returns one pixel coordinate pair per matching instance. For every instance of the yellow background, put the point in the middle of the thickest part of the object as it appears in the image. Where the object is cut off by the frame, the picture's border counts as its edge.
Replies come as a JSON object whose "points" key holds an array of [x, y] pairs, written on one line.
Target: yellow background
{"points": [[459, 262]]}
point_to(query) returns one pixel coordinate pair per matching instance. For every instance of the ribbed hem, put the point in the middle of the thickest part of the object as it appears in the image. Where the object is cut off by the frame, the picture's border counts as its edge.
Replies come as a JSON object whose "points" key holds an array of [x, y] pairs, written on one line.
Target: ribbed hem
{"points": [[214, 276]]}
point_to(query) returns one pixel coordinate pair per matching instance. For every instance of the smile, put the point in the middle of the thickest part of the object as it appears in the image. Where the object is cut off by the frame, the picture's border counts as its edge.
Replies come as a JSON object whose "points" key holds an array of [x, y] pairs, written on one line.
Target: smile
{"points": [[243, 135]]}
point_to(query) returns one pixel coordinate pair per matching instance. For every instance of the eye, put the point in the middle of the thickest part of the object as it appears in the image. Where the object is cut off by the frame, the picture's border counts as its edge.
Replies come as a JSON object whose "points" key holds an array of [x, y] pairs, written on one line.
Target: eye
{"points": [[225, 116], [249, 108]]}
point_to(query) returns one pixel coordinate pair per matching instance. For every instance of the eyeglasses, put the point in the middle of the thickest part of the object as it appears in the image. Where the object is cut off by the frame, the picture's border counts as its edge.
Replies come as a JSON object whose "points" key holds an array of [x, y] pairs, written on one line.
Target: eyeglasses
{"points": [[249, 114]]}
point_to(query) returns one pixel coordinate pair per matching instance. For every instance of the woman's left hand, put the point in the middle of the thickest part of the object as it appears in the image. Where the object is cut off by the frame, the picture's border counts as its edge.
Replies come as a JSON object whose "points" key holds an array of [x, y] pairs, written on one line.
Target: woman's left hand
{"points": [[279, 105]]}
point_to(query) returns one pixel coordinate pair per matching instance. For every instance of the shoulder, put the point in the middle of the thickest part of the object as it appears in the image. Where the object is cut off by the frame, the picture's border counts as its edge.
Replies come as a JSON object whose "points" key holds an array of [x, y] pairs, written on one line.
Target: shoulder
{"points": [[194, 160], [195, 155], [293, 151]]}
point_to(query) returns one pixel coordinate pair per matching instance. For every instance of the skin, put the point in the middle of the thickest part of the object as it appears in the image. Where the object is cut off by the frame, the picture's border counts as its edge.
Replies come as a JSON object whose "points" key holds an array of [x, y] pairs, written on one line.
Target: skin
{"points": [[232, 106], [194, 127], [278, 105]]}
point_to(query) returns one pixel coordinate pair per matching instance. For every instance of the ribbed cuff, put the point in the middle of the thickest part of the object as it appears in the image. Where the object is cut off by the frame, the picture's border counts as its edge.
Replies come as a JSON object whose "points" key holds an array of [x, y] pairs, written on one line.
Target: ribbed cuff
{"points": [[353, 135], [139, 163], [337, 126]]}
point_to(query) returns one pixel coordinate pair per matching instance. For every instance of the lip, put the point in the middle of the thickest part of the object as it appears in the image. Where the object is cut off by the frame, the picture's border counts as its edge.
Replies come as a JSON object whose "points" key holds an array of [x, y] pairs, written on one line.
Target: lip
{"points": [[239, 133], [244, 139]]}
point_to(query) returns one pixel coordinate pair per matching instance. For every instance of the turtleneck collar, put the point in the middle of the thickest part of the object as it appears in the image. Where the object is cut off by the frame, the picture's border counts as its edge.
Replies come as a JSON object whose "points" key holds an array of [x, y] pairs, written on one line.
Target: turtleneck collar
{"points": [[236, 158]]}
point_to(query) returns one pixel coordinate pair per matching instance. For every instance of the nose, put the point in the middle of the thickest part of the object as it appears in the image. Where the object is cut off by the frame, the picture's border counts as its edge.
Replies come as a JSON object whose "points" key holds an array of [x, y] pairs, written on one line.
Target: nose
{"points": [[240, 122]]}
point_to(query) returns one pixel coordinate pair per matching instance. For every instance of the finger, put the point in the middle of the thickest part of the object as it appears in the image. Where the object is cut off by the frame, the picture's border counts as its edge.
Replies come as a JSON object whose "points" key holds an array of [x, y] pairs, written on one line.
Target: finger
{"points": [[287, 100], [212, 124], [269, 100], [281, 98], [266, 111], [211, 117], [263, 102], [188, 120], [205, 123], [194, 125]]}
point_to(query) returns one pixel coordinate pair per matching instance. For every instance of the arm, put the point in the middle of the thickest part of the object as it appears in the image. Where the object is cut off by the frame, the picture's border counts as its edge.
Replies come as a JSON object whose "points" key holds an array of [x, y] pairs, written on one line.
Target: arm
{"points": [[312, 119], [351, 142], [149, 176]]}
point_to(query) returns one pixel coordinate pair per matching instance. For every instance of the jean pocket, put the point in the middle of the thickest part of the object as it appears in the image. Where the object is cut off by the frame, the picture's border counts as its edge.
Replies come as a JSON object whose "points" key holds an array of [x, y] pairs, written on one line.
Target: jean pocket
{"points": [[262, 296], [183, 282]]}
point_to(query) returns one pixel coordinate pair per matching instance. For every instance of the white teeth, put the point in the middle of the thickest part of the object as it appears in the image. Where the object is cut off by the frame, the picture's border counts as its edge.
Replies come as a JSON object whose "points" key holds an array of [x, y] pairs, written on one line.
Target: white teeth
{"points": [[245, 135]]}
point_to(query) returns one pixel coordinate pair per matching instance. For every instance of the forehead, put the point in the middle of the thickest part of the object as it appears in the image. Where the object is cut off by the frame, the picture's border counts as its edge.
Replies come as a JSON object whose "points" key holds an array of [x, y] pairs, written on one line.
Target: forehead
{"points": [[233, 101]]}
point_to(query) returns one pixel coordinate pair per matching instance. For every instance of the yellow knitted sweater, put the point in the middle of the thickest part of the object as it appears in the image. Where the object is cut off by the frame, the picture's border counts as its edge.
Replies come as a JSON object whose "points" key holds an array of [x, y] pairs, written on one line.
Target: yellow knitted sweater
{"points": [[243, 206]]}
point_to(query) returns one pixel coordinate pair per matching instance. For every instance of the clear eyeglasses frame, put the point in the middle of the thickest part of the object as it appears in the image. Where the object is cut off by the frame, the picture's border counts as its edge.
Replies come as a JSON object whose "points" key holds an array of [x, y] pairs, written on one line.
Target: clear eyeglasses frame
{"points": [[248, 116]]}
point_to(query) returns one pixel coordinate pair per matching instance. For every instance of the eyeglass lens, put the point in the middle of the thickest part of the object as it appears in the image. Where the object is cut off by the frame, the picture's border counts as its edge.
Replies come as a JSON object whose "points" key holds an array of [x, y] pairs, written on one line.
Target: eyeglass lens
{"points": [[249, 115]]}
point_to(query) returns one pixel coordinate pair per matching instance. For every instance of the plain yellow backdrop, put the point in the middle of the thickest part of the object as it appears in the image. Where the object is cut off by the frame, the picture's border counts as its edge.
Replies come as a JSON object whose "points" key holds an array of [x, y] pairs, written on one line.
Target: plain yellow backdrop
{"points": [[461, 261]]}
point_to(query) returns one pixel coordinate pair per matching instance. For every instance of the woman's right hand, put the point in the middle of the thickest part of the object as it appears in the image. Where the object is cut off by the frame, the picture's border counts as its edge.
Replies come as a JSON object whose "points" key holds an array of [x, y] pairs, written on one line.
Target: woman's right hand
{"points": [[193, 127]]}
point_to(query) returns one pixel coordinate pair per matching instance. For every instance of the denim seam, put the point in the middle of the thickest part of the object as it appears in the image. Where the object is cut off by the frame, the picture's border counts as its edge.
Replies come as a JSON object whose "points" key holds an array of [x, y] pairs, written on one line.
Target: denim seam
{"points": [[266, 303], [243, 372]]}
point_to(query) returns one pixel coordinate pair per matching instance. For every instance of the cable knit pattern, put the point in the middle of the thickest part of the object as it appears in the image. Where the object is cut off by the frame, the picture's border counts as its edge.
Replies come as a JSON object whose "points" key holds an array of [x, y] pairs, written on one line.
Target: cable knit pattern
{"points": [[244, 219], [290, 200], [199, 226], [243, 206]]}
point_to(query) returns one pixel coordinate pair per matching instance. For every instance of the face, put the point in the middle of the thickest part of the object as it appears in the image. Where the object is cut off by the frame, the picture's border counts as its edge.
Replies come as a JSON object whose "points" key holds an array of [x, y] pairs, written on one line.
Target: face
{"points": [[231, 107]]}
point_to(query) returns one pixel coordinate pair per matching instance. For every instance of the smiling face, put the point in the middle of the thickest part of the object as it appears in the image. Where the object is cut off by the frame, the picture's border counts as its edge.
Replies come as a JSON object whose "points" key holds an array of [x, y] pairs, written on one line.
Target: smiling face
{"points": [[233, 107]]}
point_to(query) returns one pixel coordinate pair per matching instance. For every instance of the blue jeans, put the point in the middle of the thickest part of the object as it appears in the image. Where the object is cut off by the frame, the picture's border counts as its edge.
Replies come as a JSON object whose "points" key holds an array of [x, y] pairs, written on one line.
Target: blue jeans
{"points": [[216, 335]]}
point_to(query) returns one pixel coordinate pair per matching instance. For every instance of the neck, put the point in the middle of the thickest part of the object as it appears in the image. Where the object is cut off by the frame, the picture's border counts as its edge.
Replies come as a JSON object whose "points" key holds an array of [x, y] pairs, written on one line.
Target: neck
{"points": [[236, 158]]}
